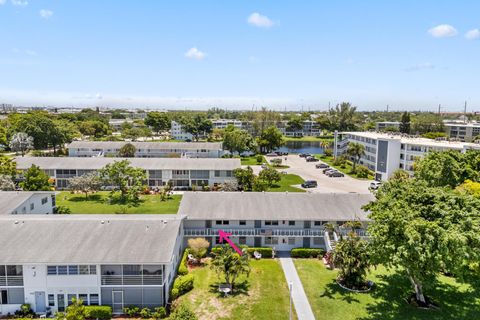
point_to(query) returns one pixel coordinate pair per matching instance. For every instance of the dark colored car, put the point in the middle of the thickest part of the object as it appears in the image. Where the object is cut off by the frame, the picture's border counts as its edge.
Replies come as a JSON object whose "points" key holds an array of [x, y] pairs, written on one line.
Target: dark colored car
{"points": [[309, 184], [281, 153], [322, 166], [336, 174], [304, 155], [311, 159], [327, 169]]}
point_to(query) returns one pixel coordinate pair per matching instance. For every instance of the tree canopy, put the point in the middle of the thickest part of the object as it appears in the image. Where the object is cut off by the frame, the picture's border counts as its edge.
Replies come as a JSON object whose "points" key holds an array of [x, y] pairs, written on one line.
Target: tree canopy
{"points": [[127, 180], [271, 138], [34, 179], [238, 141], [158, 121]]}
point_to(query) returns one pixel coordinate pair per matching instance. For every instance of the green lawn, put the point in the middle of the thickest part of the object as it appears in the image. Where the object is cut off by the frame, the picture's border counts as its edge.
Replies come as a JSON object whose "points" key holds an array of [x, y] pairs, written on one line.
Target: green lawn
{"points": [[263, 296], [251, 161], [98, 203], [385, 301], [347, 170], [286, 184]]}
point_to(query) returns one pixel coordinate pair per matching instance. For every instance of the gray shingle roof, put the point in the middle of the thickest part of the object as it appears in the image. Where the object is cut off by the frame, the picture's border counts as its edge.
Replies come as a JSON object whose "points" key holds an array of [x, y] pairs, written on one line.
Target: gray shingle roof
{"points": [[10, 200], [134, 239], [147, 145], [144, 163], [274, 206]]}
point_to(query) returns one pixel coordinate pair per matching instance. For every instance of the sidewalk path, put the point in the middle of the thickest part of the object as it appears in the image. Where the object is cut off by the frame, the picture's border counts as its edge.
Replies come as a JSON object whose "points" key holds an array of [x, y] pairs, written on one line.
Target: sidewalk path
{"points": [[302, 306]]}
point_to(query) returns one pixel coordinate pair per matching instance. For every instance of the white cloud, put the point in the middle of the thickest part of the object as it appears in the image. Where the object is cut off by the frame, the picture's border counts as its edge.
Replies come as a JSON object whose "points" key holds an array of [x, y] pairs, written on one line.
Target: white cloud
{"points": [[258, 20], [44, 13], [194, 53], [473, 34], [20, 3], [421, 66], [443, 31], [2, 2]]}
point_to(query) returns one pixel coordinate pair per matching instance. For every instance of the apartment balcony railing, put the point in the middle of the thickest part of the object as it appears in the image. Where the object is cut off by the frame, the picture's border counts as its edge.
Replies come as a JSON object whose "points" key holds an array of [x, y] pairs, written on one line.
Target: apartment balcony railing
{"points": [[206, 232], [362, 233], [131, 280], [11, 281]]}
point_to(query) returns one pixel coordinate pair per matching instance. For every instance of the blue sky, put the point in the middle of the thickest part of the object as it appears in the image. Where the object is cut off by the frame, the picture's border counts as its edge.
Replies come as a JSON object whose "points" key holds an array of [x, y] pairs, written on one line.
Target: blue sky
{"points": [[408, 54]]}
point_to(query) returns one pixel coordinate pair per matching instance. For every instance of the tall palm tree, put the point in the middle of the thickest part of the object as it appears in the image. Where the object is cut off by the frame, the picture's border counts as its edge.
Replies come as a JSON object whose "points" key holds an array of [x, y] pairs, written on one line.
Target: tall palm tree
{"points": [[356, 151]]}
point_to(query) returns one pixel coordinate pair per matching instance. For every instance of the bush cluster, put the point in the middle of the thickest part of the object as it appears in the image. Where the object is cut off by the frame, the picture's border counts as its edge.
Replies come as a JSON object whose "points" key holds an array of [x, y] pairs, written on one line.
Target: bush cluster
{"points": [[264, 251], [363, 172], [145, 313], [98, 312], [182, 268], [307, 253], [181, 285]]}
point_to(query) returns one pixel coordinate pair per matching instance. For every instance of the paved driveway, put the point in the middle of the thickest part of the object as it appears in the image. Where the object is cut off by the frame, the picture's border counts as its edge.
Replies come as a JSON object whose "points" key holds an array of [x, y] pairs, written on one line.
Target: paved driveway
{"points": [[307, 171]]}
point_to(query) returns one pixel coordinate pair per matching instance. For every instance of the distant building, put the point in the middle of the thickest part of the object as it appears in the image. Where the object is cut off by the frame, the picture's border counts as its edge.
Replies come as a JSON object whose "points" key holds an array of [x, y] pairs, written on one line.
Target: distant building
{"points": [[178, 133], [27, 202], [147, 149], [463, 131], [384, 125], [223, 123], [387, 152], [309, 128]]}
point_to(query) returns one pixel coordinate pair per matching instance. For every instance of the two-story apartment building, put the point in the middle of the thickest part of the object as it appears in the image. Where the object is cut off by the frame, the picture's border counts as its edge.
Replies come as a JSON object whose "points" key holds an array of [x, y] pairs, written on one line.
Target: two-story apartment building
{"points": [[182, 173], [177, 132], [26, 202], [46, 260], [387, 152], [147, 149], [269, 219], [463, 131]]}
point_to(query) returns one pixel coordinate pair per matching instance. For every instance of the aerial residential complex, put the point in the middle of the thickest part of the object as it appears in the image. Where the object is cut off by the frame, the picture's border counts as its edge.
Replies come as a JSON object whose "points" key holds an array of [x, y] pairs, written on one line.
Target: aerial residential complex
{"points": [[463, 131], [20, 202], [147, 149], [122, 260], [387, 152], [114, 260], [182, 173]]}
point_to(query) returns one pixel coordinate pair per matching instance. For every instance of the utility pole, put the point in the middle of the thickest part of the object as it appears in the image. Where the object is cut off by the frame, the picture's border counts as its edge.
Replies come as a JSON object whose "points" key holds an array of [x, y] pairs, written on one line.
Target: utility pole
{"points": [[439, 108], [465, 112]]}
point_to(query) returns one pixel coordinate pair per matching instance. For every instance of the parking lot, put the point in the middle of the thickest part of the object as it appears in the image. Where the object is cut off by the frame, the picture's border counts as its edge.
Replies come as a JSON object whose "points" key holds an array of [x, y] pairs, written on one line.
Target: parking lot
{"points": [[307, 171]]}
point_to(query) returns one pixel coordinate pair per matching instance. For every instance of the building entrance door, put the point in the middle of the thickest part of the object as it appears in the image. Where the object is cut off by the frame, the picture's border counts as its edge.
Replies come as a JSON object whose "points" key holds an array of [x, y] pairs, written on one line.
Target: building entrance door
{"points": [[117, 301], [40, 304]]}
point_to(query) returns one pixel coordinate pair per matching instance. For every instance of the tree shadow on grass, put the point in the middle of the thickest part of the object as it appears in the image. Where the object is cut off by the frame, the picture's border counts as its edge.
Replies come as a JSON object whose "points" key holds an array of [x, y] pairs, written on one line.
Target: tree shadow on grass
{"points": [[391, 291], [91, 198], [332, 290], [240, 288]]}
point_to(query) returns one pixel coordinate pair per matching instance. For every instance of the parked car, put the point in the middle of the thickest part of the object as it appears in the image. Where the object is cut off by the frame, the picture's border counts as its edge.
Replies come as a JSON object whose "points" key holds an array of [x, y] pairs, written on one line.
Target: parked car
{"points": [[264, 166], [322, 166], [336, 174], [304, 155], [327, 169], [375, 185], [311, 159], [309, 184], [281, 153], [272, 154]]}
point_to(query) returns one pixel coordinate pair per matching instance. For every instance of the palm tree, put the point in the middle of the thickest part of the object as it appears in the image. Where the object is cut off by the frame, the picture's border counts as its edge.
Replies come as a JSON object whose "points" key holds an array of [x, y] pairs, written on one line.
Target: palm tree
{"points": [[230, 264], [356, 151]]}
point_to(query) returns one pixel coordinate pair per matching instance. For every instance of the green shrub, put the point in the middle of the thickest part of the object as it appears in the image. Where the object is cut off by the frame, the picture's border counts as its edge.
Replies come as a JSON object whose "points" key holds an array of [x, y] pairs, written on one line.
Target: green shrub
{"points": [[98, 312], [181, 285], [307, 253], [25, 311], [363, 172], [131, 311], [182, 268], [259, 158], [183, 313], [264, 251], [145, 313], [159, 313]]}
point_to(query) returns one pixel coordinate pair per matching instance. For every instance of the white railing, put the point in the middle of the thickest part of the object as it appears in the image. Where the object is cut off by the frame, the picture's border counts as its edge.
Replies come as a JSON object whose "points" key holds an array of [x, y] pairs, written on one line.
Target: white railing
{"points": [[255, 232], [11, 281], [128, 280]]}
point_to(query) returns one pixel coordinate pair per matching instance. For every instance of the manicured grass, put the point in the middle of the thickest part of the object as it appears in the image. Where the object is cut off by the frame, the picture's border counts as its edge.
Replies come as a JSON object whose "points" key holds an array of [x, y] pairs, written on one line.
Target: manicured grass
{"points": [[99, 203], [347, 170], [263, 295], [286, 184], [251, 161], [308, 139], [385, 301]]}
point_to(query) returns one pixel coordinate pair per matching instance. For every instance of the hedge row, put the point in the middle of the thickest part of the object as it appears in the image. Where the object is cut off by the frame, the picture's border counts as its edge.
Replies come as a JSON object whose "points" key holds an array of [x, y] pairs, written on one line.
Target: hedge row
{"points": [[264, 251], [306, 253], [182, 268], [98, 312], [181, 285]]}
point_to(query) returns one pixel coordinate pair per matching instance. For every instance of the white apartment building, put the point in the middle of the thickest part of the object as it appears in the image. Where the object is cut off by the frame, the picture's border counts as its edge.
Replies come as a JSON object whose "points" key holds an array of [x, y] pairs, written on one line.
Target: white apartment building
{"points": [[223, 123], [147, 149], [387, 152], [178, 133], [114, 260], [269, 219], [383, 125], [182, 173], [463, 131], [26, 202]]}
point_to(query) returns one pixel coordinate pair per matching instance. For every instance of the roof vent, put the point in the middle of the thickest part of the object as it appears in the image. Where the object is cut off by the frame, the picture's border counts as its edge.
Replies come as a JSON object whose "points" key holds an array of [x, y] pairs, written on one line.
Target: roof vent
{"points": [[102, 222], [16, 222]]}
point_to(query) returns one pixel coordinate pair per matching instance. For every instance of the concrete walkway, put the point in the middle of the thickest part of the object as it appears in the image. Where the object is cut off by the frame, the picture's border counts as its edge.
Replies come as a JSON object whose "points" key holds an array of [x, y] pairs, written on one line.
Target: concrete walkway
{"points": [[302, 306]]}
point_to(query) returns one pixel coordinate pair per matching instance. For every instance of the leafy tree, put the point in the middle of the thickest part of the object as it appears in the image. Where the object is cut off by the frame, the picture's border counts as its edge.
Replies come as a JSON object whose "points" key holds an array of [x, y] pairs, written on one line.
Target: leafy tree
{"points": [[87, 183], [270, 176], [127, 180], [8, 167], [166, 191], [427, 122], [21, 142], [342, 118], [230, 264], [75, 311], [182, 313], [35, 180], [198, 247], [271, 138], [262, 119], [351, 255], [245, 178], [356, 151], [469, 187], [6, 183], [60, 133], [259, 185], [295, 124], [94, 128], [127, 151], [405, 123], [400, 174], [238, 141], [423, 230], [196, 125], [3, 135], [158, 121]]}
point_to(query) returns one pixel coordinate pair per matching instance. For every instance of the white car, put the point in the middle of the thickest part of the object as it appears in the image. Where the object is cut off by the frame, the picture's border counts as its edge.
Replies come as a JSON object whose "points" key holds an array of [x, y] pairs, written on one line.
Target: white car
{"points": [[375, 185]]}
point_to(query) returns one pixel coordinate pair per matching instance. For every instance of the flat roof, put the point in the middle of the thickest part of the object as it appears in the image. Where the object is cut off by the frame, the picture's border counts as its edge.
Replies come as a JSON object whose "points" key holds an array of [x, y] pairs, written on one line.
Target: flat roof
{"points": [[473, 125], [274, 206], [88, 239], [11, 200], [415, 140], [95, 163], [147, 145]]}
